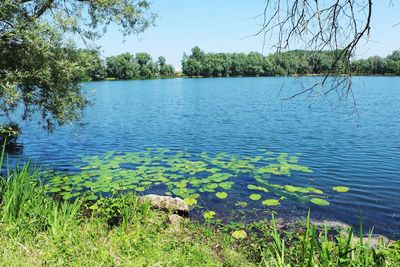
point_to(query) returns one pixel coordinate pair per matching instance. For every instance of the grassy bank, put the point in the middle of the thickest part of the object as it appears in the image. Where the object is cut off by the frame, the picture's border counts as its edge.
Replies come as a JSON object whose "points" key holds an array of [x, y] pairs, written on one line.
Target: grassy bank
{"points": [[40, 230]]}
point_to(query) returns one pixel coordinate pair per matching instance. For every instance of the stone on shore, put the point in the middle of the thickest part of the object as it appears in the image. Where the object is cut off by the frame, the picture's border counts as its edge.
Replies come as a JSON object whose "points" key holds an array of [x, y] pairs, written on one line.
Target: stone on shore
{"points": [[374, 241], [177, 205], [175, 221]]}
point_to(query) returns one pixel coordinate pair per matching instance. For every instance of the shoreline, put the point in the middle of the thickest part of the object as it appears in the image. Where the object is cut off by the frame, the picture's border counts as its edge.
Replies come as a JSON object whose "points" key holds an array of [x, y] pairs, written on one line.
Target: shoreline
{"points": [[216, 77]]}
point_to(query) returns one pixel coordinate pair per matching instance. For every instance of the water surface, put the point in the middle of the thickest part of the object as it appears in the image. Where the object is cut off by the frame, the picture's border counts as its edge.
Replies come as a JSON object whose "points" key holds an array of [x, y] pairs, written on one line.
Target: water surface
{"points": [[240, 116]]}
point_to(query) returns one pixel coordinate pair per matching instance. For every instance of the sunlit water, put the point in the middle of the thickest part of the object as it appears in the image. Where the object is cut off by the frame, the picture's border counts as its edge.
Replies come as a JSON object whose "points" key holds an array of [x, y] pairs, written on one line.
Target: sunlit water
{"points": [[360, 150]]}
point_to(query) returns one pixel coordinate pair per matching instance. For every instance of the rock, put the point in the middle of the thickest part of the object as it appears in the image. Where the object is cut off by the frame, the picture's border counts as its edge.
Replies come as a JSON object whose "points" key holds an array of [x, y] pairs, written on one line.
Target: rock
{"points": [[375, 241], [333, 225], [176, 205], [175, 220]]}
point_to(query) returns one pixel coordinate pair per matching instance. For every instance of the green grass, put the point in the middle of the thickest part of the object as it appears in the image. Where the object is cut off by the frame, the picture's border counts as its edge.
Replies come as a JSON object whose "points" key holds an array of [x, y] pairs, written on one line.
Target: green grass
{"points": [[39, 230]]}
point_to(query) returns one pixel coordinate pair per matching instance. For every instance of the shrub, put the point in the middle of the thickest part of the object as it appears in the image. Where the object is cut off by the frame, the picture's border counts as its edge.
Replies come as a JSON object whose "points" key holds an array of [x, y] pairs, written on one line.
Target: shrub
{"points": [[9, 132]]}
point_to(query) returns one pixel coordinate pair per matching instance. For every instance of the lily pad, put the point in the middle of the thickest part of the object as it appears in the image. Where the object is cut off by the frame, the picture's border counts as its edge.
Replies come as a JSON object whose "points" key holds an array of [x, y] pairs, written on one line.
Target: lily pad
{"points": [[190, 201], [208, 215], [255, 197], [341, 189], [91, 197], [184, 174], [291, 188], [319, 202], [226, 185], [252, 187], [239, 234], [315, 190], [140, 189], [212, 186], [271, 202], [221, 195]]}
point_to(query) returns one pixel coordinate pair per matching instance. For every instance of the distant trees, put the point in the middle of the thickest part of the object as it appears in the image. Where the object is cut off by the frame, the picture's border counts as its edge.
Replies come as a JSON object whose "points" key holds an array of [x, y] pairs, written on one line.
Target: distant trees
{"points": [[377, 65], [200, 64], [122, 66], [128, 66], [164, 68], [295, 62]]}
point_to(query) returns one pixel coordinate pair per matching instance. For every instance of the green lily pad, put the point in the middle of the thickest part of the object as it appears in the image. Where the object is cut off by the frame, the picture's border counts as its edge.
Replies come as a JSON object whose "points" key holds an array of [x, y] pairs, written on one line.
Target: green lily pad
{"points": [[91, 197], [315, 190], [190, 201], [291, 188], [252, 187], [341, 189], [239, 234], [54, 189], [271, 202], [208, 215], [226, 185], [221, 195], [319, 202], [140, 189], [255, 197], [212, 186]]}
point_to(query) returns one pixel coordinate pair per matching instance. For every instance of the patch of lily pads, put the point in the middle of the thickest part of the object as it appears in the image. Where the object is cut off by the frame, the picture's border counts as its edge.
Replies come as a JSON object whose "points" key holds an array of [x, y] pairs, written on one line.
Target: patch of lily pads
{"points": [[189, 176]]}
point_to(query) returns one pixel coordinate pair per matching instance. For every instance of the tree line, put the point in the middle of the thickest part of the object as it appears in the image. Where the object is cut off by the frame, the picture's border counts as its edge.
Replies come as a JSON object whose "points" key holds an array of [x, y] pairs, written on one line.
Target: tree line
{"points": [[295, 62], [127, 66]]}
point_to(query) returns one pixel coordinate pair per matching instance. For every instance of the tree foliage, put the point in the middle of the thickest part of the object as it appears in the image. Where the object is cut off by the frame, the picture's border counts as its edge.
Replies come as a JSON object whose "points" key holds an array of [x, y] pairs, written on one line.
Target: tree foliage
{"points": [[40, 66], [140, 66], [294, 62]]}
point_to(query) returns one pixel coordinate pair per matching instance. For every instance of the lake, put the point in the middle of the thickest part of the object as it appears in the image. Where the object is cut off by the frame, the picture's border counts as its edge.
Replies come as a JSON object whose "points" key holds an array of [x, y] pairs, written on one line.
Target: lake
{"points": [[237, 126]]}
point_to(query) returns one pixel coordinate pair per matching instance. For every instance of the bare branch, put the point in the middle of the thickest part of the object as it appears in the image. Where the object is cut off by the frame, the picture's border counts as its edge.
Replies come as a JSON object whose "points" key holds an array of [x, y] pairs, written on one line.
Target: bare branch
{"points": [[335, 25]]}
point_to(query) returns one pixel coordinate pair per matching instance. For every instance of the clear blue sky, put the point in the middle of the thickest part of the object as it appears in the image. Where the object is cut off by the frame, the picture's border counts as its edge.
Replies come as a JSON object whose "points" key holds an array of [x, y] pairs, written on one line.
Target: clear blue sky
{"points": [[220, 25]]}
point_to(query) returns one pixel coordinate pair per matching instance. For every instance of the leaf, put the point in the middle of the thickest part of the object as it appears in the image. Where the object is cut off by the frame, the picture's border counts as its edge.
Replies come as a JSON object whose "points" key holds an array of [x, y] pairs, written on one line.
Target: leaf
{"points": [[140, 189], [226, 185], [239, 234], [91, 197], [252, 187], [271, 202], [67, 196], [208, 215], [319, 202], [221, 195], [190, 201], [315, 190], [341, 189], [255, 197], [94, 207], [291, 188], [54, 189], [212, 186]]}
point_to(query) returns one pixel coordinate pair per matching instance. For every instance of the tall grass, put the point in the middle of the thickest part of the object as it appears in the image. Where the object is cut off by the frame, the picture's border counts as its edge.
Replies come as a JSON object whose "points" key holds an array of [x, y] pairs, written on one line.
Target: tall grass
{"points": [[316, 248]]}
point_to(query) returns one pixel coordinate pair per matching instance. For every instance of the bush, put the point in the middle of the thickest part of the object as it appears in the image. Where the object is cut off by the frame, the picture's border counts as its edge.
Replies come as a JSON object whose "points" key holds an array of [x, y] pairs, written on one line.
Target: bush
{"points": [[117, 210], [9, 132]]}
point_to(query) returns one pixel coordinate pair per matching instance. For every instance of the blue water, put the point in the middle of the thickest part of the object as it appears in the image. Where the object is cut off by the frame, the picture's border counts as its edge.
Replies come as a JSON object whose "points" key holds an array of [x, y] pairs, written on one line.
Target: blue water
{"points": [[359, 149]]}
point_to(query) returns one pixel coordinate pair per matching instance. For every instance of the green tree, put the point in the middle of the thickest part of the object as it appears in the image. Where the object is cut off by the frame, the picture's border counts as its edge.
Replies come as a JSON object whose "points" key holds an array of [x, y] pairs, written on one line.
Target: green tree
{"points": [[96, 69], [40, 67], [147, 68], [165, 69], [123, 67]]}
